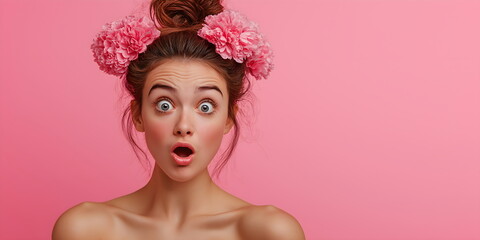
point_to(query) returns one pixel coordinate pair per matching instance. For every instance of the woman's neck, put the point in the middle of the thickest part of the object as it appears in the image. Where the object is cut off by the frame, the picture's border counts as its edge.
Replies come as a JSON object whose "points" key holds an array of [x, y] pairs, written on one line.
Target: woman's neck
{"points": [[177, 201]]}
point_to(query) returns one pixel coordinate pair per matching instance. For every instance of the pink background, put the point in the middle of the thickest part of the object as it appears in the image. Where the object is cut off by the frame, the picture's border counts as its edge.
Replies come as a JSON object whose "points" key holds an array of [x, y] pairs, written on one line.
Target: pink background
{"points": [[369, 127]]}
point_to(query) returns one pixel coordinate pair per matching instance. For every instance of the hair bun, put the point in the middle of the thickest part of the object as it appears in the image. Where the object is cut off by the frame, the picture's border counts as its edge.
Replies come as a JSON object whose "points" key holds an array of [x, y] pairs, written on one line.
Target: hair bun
{"points": [[177, 15]]}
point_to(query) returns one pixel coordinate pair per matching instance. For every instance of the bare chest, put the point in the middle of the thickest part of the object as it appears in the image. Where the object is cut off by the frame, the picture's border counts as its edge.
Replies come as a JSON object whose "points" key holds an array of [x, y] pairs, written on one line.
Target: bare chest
{"points": [[209, 227]]}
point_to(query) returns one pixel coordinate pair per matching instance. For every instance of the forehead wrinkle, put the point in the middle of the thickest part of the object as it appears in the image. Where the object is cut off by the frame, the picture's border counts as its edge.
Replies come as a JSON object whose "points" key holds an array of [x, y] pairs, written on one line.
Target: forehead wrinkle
{"points": [[204, 84], [174, 79], [174, 75], [161, 76]]}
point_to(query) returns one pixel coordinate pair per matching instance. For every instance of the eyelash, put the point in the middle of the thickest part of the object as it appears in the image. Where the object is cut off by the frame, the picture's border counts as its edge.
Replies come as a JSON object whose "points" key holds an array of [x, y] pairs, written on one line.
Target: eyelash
{"points": [[168, 99]]}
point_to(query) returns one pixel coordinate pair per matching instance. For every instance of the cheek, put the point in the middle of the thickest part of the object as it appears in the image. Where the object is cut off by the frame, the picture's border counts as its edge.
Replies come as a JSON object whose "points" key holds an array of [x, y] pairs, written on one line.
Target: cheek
{"points": [[156, 133], [212, 134]]}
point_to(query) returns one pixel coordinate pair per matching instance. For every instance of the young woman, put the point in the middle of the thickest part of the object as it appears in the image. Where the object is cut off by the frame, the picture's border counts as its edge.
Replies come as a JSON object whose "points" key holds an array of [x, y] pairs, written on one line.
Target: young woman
{"points": [[186, 71]]}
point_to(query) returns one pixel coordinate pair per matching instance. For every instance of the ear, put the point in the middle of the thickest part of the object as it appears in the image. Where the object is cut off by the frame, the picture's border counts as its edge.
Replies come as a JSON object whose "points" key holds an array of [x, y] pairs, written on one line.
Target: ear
{"points": [[136, 116], [229, 124]]}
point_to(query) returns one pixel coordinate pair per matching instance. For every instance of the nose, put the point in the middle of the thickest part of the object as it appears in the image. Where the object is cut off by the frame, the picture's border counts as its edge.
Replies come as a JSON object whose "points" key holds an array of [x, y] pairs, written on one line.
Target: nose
{"points": [[184, 126], [183, 132]]}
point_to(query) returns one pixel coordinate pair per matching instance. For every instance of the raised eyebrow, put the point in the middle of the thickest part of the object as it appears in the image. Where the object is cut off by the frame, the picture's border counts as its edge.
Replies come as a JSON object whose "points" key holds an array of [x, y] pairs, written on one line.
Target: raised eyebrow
{"points": [[211, 87], [169, 88], [163, 86]]}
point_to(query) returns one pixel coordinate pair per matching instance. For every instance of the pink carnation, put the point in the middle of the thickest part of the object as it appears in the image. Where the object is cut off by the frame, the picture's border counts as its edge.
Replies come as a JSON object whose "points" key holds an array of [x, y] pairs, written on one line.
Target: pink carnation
{"points": [[121, 41], [261, 62], [235, 37]]}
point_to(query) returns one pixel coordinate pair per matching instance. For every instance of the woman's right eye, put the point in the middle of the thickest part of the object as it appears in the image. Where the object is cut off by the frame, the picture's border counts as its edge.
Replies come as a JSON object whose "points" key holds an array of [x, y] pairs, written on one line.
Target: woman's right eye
{"points": [[163, 105]]}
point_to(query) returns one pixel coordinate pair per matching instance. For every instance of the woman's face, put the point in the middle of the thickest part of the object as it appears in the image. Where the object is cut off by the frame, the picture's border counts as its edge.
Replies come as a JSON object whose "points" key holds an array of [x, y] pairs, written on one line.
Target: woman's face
{"points": [[184, 101]]}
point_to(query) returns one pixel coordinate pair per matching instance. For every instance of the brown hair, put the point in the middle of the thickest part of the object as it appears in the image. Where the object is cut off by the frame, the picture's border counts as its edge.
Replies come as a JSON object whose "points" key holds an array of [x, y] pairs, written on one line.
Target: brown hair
{"points": [[179, 22]]}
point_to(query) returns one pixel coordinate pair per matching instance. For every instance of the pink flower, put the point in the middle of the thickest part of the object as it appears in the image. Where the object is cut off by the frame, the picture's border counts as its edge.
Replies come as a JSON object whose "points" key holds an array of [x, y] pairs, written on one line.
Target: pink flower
{"points": [[235, 37], [260, 63], [121, 41]]}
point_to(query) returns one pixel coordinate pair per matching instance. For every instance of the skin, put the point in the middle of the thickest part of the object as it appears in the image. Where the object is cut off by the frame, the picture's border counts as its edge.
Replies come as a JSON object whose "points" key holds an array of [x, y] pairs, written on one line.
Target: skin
{"points": [[179, 202]]}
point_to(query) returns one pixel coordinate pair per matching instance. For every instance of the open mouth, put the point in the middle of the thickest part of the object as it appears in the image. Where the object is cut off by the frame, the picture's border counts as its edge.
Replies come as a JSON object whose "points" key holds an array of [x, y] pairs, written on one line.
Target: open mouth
{"points": [[183, 151]]}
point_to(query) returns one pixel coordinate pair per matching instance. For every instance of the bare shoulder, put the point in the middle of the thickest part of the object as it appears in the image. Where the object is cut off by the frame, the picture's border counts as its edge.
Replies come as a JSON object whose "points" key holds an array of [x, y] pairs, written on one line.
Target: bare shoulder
{"points": [[269, 222], [87, 220]]}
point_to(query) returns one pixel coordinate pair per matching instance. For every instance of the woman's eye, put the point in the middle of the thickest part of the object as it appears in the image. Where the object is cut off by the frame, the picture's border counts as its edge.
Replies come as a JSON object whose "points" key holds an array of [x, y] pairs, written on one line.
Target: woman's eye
{"points": [[164, 105], [206, 107]]}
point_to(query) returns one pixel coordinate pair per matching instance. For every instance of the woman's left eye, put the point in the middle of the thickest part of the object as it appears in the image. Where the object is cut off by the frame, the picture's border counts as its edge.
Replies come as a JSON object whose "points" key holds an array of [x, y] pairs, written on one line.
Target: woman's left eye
{"points": [[206, 107]]}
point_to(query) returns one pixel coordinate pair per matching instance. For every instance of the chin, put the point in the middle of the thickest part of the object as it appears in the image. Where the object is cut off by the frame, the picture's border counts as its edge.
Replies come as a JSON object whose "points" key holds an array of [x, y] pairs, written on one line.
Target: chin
{"points": [[181, 174]]}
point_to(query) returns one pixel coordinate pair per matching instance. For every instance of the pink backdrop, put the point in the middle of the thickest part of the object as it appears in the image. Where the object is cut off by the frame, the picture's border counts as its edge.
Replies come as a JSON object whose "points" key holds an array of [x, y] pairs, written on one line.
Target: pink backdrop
{"points": [[369, 127]]}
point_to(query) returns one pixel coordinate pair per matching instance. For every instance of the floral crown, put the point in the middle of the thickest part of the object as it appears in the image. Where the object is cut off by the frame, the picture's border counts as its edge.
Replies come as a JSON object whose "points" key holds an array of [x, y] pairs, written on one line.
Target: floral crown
{"points": [[234, 37]]}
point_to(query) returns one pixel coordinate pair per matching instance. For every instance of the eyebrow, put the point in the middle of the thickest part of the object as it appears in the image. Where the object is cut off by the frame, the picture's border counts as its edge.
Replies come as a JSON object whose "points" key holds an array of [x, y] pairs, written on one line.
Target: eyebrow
{"points": [[170, 88]]}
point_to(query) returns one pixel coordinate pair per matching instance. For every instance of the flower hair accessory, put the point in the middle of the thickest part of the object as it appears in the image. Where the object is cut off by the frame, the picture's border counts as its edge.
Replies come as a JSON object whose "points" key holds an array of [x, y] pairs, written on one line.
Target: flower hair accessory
{"points": [[235, 37], [121, 41]]}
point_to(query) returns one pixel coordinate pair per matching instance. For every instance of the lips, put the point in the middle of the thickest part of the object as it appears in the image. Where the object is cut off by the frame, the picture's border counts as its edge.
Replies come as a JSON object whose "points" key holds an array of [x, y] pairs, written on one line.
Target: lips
{"points": [[182, 153]]}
